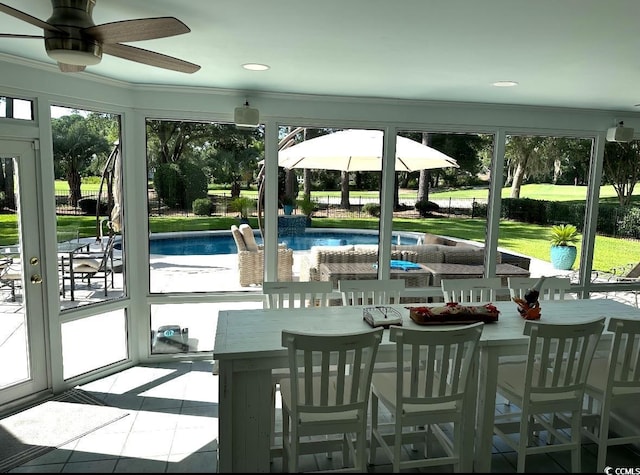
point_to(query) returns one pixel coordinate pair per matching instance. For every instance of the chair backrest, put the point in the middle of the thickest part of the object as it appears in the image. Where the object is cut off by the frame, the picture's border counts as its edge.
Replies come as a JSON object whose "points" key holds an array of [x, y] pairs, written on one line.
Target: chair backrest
{"points": [[291, 295], [553, 288], [558, 359], [480, 289], [434, 366], [624, 357], [634, 272], [238, 239], [371, 292], [330, 372]]}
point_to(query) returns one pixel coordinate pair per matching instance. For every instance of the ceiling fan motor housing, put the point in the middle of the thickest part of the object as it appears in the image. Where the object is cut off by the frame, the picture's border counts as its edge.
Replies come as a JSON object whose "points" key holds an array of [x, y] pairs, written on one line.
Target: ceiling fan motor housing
{"points": [[71, 46]]}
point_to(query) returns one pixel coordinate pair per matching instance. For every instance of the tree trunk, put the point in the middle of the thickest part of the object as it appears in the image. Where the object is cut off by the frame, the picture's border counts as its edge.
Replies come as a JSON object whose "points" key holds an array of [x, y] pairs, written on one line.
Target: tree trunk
{"points": [[344, 190], [307, 182], [9, 190], [396, 194], [73, 178], [518, 177], [425, 178]]}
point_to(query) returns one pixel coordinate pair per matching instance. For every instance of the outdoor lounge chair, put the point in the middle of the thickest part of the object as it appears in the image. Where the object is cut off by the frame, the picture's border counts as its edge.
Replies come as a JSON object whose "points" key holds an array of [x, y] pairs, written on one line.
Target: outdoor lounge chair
{"points": [[87, 266], [627, 273], [251, 258], [10, 275]]}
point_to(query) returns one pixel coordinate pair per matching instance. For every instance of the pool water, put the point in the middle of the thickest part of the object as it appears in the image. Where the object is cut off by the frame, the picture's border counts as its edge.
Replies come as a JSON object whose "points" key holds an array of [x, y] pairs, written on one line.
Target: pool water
{"points": [[224, 244]]}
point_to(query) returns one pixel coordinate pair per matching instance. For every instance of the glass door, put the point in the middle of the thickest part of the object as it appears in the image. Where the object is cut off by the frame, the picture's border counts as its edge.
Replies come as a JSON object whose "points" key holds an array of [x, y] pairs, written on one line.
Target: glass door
{"points": [[22, 331]]}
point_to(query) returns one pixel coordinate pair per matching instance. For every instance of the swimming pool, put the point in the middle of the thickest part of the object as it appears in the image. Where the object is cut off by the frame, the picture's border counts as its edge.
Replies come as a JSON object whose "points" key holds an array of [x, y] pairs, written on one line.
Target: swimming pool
{"points": [[187, 244]]}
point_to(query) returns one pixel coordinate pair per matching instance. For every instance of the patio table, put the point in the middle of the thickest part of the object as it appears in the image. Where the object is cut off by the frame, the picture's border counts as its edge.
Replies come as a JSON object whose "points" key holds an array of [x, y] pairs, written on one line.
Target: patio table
{"points": [[248, 346], [336, 271], [441, 271]]}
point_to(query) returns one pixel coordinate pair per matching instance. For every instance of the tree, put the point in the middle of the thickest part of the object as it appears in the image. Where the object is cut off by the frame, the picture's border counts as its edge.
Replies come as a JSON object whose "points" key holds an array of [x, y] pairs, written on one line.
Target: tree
{"points": [[522, 154], [76, 142], [621, 168]]}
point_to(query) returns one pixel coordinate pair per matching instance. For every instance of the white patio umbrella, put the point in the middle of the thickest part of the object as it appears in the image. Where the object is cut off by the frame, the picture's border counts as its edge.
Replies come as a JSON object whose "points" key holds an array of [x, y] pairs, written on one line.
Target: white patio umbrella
{"points": [[360, 150]]}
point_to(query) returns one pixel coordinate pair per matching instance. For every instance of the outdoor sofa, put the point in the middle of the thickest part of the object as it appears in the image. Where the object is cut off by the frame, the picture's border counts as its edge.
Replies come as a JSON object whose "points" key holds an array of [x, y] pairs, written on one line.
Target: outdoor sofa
{"points": [[434, 249]]}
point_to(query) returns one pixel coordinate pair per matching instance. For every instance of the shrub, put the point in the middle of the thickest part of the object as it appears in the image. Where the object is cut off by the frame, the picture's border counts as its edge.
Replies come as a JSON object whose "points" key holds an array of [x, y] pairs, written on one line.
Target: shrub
{"points": [[372, 209], [424, 207], [243, 205], [202, 207], [88, 206], [178, 185], [168, 184]]}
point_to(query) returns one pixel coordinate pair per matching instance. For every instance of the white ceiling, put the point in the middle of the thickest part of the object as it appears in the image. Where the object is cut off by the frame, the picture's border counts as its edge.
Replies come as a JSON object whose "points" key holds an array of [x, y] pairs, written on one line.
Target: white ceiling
{"points": [[573, 53]]}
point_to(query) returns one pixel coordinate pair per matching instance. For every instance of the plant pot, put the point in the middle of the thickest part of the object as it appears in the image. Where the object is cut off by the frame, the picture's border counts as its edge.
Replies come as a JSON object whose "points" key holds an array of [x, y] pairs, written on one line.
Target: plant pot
{"points": [[563, 257], [288, 209], [244, 220]]}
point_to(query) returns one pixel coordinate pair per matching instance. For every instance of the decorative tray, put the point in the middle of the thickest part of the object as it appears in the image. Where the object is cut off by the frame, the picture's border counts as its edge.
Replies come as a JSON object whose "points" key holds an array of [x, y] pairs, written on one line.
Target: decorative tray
{"points": [[453, 313], [381, 316]]}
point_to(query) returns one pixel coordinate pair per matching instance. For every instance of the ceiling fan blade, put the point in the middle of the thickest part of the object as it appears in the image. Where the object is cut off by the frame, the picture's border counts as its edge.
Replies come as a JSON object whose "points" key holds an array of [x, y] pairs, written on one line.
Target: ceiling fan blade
{"points": [[137, 30], [10, 35], [70, 68], [151, 58], [28, 18]]}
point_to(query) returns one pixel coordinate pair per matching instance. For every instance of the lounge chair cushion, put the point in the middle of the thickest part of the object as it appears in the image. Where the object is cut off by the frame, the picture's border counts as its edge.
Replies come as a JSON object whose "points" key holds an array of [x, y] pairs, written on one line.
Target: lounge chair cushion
{"points": [[86, 265], [237, 237], [249, 238]]}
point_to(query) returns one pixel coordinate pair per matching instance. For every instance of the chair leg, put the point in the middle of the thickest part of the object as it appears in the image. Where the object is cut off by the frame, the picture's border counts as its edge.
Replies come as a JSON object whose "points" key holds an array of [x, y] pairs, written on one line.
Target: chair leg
{"points": [[373, 447], [576, 434]]}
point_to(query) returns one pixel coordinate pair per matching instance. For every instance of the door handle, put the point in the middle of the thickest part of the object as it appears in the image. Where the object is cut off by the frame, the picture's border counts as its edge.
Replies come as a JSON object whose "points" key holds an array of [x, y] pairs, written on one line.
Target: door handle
{"points": [[36, 279]]}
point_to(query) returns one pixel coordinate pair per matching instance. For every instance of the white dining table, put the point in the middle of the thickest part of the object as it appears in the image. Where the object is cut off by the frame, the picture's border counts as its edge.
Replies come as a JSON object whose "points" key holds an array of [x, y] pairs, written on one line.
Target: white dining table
{"points": [[248, 347]]}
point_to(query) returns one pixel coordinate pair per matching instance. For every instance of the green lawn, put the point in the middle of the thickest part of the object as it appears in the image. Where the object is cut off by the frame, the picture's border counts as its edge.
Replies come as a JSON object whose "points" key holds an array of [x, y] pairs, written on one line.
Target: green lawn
{"points": [[528, 239], [535, 191]]}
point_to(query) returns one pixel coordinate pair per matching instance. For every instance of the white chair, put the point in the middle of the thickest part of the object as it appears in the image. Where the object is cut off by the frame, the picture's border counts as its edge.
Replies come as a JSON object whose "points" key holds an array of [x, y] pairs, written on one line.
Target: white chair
{"points": [[477, 289], [371, 292], [291, 295], [425, 394], [333, 403], [614, 381], [547, 388], [553, 288]]}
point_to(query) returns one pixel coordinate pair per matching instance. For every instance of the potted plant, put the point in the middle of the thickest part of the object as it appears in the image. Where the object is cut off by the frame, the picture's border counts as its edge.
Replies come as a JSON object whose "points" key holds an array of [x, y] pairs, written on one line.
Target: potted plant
{"points": [[242, 205], [288, 204], [563, 251]]}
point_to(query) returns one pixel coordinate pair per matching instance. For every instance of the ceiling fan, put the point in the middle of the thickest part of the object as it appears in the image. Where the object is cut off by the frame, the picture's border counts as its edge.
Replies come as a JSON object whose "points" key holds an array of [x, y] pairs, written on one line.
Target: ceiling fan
{"points": [[73, 40]]}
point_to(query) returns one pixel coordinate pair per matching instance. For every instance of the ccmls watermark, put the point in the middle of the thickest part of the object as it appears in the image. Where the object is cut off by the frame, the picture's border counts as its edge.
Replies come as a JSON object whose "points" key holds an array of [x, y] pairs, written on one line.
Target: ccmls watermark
{"points": [[622, 470]]}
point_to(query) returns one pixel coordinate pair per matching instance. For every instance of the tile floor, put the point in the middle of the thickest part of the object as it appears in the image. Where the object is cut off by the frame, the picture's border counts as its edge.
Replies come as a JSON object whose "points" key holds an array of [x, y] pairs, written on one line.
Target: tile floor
{"points": [[173, 428]]}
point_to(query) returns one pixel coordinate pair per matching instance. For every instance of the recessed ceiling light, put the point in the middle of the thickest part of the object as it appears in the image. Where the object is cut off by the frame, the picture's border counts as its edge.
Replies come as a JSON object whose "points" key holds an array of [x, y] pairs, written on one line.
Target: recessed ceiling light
{"points": [[255, 67], [505, 83]]}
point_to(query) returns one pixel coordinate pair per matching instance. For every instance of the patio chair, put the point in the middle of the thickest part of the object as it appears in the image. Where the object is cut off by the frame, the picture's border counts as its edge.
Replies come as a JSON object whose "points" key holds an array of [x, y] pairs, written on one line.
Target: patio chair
{"points": [[251, 258], [553, 288], [10, 275], [425, 394], [613, 382], [481, 289], [327, 411], [290, 296], [627, 273], [89, 265], [371, 292], [549, 384]]}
